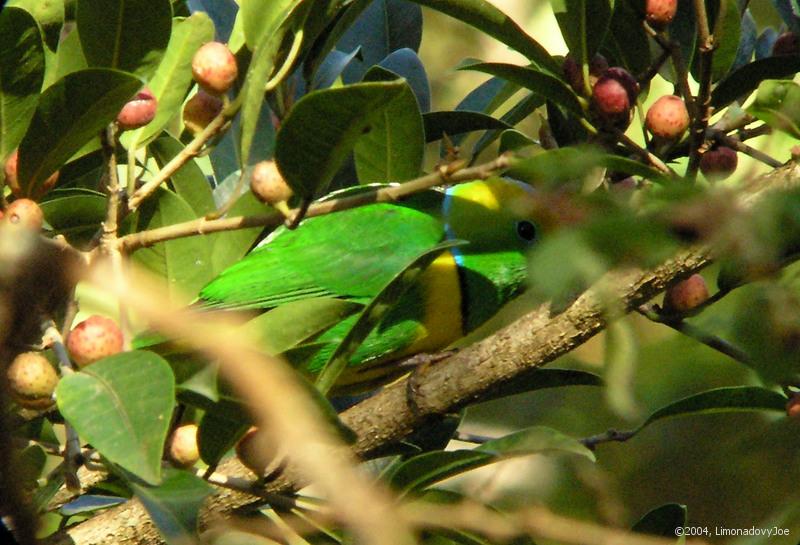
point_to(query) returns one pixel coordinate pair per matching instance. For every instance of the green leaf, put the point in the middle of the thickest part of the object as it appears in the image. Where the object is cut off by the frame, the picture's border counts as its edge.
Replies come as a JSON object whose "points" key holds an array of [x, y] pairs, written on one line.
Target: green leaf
{"points": [[258, 73], [583, 25], [621, 355], [437, 124], [517, 113], [228, 247], [128, 35], [542, 378], [174, 75], [29, 463], [70, 113], [89, 503], [75, 213], [122, 406], [512, 140], [727, 30], [384, 27], [21, 75], [374, 312], [487, 18], [662, 521], [291, 324], [184, 262], [174, 505], [571, 163], [322, 129], [721, 400], [746, 79], [69, 58], [777, 103], [217, 434], [626, 38], [541, 83], [426, 469], [189, 182], [261, 19], [392, 150]]}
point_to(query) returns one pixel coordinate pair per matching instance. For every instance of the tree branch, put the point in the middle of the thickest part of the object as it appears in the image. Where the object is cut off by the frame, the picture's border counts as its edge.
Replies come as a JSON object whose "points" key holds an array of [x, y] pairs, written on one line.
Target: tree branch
{"points": [[466, 377]]}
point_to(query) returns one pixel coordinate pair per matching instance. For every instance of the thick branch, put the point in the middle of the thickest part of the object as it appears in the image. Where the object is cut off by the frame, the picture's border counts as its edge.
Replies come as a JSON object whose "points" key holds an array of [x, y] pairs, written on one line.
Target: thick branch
{"points": [[468, 376]]}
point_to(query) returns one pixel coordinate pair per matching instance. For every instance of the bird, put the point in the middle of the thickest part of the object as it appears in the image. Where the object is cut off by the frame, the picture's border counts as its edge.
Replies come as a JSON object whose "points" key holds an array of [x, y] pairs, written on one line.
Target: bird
{"points": [[351, 254]]}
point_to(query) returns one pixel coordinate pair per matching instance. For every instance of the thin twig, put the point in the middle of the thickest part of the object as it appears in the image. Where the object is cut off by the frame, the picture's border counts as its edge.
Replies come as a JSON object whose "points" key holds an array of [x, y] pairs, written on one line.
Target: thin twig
{"points": [[738, 145], [187, 153], [702, 113], [201, 226], [592, 441], [694, 332]]}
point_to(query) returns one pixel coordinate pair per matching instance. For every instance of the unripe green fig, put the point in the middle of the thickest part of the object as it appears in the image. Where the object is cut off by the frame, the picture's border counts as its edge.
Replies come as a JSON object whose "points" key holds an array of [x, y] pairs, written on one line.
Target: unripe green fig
{"points": [[182, 450], [214, 68], [94, 338], [32, 381]]}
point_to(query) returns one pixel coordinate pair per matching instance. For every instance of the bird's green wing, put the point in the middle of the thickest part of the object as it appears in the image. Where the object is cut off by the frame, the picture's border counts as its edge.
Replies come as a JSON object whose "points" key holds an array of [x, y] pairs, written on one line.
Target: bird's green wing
{"points": [[349, 254]]}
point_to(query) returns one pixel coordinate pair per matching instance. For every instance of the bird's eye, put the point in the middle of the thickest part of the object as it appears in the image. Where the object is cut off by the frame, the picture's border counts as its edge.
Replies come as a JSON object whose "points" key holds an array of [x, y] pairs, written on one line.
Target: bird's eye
{"points": [[526, 230]]}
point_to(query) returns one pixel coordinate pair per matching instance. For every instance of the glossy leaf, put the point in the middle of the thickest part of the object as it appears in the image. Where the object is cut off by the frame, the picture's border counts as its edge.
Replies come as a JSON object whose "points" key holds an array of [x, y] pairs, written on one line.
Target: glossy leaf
{"points": [[777, 103], [230, 246], [545, 85], [727, 35], [322, 129], [437, 124], [512, 140], [184, 262], [221, 12], [122, 406], [383, 27], [173, 76], [583, 25], [129, 35], [374, 312], [21, 74], [174, 505], [488, 96], [89, 503], [70, 113], [217, 434], [539, 379], [789, 14], [332, 67], [393, 148], [47, 14], [746, 79], [765, 42], [29, 463], [486, 17], [570, 163], [720, 400], [683, 30], [260, 19], [621, 355], [258, 73], [426, 469], [406, 64], [288, 325], [626, 40], [516, 114], [75, 213], [662, 521], [747, 41], [189, 182], [69, 58]]}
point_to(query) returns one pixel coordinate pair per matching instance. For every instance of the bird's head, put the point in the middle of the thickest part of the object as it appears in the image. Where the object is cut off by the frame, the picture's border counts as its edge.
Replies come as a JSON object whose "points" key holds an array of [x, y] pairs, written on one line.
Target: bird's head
{"points": [[494, 215]]}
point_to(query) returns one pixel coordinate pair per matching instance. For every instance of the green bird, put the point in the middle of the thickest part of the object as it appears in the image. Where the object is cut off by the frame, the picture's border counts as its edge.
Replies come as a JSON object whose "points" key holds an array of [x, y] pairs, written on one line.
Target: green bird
{"points": [[352, 254]]}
